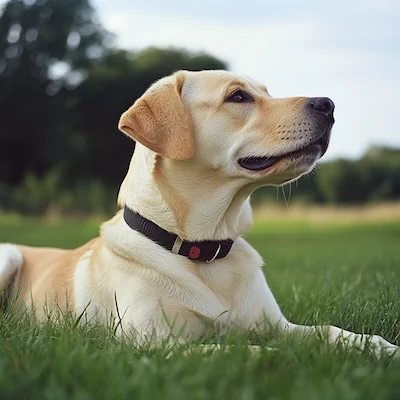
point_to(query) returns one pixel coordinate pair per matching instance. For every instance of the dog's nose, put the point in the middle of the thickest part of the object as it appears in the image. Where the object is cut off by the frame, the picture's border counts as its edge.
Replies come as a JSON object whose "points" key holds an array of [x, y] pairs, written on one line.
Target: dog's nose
{"points": [[321, 105]]}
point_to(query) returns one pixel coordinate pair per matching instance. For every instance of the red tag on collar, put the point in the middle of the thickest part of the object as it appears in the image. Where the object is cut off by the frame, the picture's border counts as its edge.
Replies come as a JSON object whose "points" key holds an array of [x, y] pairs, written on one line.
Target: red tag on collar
{"points": [[194, 252]]}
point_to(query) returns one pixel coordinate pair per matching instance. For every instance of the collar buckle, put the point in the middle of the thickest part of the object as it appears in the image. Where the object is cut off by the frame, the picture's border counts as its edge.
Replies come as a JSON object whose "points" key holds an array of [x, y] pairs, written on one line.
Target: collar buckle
{"points": [[177, 245]]}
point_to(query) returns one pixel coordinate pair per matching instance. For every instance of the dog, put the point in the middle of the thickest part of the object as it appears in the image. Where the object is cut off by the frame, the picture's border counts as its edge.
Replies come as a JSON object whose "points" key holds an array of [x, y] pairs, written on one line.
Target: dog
{"points": [[173, 259]]}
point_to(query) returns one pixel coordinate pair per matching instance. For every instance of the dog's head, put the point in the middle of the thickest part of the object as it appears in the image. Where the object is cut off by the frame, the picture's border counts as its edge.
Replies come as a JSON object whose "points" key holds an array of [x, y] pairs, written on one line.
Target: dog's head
{"points": [[231, 124]]}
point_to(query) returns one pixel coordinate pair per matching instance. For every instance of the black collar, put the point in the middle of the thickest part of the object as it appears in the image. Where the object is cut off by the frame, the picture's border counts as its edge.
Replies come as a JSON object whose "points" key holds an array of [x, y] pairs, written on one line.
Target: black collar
{"points": [[207, 250]]}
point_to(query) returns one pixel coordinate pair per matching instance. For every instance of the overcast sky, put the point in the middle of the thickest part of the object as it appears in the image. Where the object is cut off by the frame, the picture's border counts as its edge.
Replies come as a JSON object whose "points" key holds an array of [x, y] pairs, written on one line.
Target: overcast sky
{"points": [[346, 50]]}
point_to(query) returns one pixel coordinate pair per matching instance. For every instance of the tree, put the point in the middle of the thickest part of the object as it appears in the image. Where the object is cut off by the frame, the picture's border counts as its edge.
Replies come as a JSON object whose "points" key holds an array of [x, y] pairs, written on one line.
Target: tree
{"points": [[374, 177], [45, 46]]}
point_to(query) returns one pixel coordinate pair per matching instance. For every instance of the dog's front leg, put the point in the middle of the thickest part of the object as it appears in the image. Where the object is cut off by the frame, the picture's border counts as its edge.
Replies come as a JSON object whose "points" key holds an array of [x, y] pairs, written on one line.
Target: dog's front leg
{"points": [[338, 336], [333, 334]]}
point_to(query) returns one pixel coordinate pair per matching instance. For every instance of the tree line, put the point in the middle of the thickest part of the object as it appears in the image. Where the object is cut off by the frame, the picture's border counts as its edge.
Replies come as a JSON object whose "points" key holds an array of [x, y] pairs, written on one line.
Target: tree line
{"points": [[63, 86], [374, 177]]}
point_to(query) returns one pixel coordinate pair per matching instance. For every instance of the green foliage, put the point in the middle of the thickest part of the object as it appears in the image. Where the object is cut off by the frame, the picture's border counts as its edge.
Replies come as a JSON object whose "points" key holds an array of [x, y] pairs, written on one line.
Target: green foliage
{"points": [[37, 34], [343, 275], [48, 194], [45, 46], [374, 177], [39, 193], [369, 179], [341, 181]]}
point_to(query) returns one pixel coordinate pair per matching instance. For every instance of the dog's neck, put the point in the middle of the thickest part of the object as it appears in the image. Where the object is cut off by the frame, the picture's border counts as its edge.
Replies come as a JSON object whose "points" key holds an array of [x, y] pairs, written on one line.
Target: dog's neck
{"points": [[200, 206]]}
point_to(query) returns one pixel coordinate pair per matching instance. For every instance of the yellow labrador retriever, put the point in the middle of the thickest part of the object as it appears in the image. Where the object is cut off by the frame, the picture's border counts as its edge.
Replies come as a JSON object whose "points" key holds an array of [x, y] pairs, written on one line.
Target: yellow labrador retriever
{"points": [[173, 259]]}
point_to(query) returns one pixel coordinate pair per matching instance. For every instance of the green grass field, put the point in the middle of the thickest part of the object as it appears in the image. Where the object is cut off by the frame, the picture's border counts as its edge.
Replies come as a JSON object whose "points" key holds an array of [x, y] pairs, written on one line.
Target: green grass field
{"points": [[347, 275]]}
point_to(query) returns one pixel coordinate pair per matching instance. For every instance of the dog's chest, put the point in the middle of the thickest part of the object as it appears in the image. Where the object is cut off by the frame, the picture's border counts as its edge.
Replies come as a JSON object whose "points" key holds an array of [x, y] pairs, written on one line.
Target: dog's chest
{"points": [[233, 281], [166, 286]]}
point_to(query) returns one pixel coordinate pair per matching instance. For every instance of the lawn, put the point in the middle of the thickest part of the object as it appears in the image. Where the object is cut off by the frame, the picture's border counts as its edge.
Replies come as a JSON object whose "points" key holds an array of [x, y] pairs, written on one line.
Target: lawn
{"points": [[336, 273]]}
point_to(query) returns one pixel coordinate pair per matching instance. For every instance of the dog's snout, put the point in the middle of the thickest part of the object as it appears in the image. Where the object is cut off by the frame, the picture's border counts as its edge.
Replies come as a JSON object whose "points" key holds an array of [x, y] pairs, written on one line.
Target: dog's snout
{"points": [[321, 105]]}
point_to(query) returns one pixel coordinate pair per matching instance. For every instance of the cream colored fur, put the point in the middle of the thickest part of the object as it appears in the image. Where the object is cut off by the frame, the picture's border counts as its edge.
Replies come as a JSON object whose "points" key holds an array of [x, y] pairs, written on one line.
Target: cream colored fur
{"points": [[185, 177]]}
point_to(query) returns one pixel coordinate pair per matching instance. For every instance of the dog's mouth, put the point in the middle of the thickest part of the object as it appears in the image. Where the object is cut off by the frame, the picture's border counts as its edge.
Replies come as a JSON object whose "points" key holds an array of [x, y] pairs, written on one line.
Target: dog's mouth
{"points": [[263, 163]]}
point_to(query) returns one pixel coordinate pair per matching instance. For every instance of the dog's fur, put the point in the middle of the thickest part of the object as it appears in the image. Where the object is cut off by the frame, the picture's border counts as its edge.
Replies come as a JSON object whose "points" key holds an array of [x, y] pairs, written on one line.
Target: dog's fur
{"points": [[184, 176]]}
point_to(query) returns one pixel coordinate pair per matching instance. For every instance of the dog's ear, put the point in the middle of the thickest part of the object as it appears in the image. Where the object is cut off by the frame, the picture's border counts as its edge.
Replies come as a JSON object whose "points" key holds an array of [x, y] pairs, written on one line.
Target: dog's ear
{"points": [[160, 121]]}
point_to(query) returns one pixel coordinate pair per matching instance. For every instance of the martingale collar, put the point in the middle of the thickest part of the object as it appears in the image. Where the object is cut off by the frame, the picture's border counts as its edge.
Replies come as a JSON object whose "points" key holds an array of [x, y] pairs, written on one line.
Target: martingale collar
{"points": [[207, 250]]}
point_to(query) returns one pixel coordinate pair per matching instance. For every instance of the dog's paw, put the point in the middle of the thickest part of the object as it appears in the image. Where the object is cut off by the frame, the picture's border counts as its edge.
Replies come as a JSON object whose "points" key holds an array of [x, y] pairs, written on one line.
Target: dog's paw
{"points": [[374, 343], [381, 346]]}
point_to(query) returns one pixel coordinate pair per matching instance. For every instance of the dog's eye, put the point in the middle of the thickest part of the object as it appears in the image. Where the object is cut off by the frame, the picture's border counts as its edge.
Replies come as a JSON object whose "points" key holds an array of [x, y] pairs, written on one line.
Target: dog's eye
{"points": [[240, 96]]}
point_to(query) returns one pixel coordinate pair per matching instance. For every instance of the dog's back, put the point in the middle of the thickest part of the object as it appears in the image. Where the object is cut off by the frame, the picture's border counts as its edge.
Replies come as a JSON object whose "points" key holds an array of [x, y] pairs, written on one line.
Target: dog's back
{"points": [[38, 275]]}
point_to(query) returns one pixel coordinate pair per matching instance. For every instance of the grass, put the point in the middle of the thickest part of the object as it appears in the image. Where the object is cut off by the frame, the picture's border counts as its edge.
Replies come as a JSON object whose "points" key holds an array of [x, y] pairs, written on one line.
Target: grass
{"points": [[343, 274]]}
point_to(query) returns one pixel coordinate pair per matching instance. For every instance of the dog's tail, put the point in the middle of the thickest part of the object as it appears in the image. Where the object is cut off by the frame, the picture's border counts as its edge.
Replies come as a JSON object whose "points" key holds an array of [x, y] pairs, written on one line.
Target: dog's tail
{"points": [[11, 261]]}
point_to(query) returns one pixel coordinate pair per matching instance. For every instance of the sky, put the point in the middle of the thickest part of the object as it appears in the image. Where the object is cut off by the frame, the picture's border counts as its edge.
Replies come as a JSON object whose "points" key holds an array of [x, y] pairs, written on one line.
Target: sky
{"points": [[346, 50]]}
